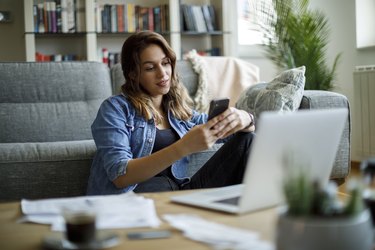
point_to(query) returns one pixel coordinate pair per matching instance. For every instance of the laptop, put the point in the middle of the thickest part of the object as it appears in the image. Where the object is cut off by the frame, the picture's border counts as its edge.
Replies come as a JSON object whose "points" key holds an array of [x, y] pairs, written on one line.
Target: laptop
{"points": [[309, 137]]}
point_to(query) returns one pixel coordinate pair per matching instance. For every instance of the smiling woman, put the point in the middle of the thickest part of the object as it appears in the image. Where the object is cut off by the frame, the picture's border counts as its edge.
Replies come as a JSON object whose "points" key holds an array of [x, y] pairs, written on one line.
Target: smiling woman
{"points": [[145, 135]]}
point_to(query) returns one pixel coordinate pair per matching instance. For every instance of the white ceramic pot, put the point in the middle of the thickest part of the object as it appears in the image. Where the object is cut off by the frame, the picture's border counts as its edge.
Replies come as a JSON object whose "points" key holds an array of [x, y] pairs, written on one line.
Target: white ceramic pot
{"points": [[319, 233]]}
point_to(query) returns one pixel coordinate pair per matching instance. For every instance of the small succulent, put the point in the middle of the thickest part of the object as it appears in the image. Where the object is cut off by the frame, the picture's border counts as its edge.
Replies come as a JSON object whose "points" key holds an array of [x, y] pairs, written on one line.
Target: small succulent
{"points": [[306, 197]]}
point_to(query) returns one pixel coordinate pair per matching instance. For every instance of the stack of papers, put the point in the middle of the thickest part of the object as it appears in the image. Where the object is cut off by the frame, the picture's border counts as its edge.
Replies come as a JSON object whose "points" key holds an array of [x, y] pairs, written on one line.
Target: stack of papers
{"points": [[216, 235], [112, 211]]}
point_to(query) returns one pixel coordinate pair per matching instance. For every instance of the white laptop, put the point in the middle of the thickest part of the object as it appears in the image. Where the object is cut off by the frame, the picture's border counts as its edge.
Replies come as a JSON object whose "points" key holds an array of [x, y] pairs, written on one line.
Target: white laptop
{"points": [[312, 135]]}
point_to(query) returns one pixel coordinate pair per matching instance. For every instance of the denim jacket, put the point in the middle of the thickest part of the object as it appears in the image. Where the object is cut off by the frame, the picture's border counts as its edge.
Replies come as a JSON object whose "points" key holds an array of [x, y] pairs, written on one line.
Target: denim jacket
{"points": [[120, 135]]}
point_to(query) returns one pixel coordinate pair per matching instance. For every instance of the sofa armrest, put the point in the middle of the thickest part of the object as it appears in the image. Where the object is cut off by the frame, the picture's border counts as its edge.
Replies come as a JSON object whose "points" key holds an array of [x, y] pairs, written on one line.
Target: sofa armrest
{"points": [[318, 99]]}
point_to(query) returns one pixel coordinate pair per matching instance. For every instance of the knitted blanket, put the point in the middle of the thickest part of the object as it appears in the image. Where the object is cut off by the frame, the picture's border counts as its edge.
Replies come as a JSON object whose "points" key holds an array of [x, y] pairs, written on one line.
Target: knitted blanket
{"points": [[221, 77]]}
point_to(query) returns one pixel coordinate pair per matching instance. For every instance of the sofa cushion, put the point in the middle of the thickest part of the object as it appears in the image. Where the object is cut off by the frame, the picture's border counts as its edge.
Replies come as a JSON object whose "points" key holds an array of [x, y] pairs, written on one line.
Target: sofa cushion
{"points": [[47, 151], [283, 93], [42, 102]]}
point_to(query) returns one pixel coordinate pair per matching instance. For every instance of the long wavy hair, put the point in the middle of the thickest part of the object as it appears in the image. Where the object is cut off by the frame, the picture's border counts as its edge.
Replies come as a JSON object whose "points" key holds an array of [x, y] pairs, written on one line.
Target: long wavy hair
{"points": [[177, 100]]}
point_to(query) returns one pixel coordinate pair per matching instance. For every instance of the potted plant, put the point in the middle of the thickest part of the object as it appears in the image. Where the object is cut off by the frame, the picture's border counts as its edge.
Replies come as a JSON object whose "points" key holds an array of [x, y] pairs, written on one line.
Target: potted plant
{"points": [[295, 36], [315, 218]]}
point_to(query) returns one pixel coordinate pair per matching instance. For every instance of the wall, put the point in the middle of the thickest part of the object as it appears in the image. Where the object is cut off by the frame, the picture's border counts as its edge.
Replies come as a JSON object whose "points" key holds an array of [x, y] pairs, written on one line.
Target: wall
{"points": [[12, 38]]}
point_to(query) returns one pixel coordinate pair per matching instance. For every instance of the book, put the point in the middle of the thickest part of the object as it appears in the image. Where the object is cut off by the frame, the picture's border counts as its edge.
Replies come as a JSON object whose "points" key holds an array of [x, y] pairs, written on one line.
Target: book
{"points": [[113, 18], [207, 18], [131, 17], [200, 24], [64, 16], [136, 17], [213, 16], [143, 18], [151, 19], [157, 19], [106, 18], [58, 16], [80, 16], [98, 17], [52, 14], [71, 17], [35, 18], [188, 18], [46, 16], [166, 17], [120, 18], [41, 27], [125, 17]]}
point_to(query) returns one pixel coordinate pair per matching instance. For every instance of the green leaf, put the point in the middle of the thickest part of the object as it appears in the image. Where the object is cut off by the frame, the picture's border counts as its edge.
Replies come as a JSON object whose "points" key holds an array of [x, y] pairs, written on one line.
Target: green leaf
{"points": [[296, 36]]}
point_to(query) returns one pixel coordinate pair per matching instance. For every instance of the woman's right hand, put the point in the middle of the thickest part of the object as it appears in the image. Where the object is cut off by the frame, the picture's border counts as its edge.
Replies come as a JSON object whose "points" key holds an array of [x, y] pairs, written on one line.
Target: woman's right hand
{"points": [[200, 137]]}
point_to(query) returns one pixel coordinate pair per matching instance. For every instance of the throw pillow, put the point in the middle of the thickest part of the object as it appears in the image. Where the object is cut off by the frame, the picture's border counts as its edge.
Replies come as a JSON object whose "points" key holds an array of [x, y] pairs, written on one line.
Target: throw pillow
{"points": [[284, 93]]}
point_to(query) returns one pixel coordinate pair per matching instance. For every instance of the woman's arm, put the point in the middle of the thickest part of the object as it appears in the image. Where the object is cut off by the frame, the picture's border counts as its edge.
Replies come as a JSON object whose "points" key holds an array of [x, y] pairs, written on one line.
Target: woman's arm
{"points": [[233, 120], [199, 138]]}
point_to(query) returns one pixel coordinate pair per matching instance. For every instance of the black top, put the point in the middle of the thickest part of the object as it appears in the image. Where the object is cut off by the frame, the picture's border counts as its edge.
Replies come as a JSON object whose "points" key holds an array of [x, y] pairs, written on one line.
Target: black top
{"points": [[164, 138]]}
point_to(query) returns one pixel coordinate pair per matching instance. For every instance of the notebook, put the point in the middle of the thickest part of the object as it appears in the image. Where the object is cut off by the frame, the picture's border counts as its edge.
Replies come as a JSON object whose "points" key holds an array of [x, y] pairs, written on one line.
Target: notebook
{"points": [[312, 136]]}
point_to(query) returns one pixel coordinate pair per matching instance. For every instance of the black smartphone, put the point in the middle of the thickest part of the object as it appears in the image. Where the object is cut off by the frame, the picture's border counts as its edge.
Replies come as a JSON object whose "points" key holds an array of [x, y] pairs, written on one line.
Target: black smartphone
{"points": [[157, 234], [217, 106]]}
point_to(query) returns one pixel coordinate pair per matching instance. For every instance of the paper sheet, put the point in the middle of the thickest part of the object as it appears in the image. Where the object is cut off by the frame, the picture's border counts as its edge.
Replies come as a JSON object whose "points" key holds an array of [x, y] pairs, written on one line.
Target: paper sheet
{"points": [[113, 211], [216, 235]]}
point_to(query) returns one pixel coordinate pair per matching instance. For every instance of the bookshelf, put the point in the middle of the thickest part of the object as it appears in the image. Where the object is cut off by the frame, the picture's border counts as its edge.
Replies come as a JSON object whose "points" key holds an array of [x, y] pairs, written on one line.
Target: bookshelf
{"points": [[87, 42]]}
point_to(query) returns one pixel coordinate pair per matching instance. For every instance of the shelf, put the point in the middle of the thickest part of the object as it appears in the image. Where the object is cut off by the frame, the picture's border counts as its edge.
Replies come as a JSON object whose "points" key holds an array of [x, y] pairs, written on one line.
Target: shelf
{"points": [[90, 42]]}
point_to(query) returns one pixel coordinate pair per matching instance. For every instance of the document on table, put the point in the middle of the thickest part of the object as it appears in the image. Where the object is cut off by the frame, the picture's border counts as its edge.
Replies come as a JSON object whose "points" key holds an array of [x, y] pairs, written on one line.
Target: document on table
{"points": [[218, 236], [112, 211]]}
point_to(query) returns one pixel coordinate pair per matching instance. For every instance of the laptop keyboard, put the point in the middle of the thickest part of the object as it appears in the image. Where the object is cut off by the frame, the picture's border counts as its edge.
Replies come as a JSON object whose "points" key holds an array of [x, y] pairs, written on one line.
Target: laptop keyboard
{"points": [[232, 201]]}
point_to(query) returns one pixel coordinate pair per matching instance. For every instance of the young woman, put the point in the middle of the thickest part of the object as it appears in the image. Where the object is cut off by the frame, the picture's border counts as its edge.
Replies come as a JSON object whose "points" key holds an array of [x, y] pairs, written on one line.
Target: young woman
{"points": [[145, 135]]}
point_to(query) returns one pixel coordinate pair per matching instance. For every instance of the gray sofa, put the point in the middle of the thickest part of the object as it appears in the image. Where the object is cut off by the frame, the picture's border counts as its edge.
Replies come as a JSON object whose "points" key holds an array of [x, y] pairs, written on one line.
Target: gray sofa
{"points": [[46, 110]]}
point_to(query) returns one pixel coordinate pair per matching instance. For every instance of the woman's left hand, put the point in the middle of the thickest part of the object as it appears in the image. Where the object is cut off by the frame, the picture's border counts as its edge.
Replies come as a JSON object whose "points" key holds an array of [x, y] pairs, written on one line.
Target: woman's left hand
{"points": [[231, 121]]}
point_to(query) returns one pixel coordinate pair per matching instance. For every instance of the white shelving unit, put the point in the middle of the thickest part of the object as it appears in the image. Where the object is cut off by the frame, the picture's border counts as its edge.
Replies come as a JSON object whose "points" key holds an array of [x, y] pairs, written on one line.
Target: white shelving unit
{"points": [[87, 44]]}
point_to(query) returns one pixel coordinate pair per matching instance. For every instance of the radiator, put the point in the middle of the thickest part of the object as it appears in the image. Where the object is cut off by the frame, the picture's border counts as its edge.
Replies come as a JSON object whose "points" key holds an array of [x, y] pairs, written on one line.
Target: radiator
{"points": [[363, 121]]}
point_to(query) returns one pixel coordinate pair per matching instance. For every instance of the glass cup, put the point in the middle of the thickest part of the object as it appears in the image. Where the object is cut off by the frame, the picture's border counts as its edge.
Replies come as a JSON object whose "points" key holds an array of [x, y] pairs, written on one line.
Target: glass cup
{"points": [[80, 225]]}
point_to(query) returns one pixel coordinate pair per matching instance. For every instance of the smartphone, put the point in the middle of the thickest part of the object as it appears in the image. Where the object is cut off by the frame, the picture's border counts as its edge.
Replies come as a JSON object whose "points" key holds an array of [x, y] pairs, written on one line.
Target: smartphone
{"points": [[157, 234], [217, 106]]}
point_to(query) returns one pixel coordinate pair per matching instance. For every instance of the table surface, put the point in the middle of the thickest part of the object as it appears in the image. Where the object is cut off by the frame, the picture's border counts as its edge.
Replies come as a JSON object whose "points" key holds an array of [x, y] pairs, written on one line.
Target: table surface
{"points": [[29, 236]]}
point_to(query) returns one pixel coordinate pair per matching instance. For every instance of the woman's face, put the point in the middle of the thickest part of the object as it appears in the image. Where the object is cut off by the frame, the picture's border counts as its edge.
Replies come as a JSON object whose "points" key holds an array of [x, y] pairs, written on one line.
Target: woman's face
{"points": [[156, 71]]}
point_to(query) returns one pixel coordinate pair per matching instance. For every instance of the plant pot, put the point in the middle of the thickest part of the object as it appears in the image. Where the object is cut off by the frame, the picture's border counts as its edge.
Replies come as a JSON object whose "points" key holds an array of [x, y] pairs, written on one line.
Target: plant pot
{"points": [[344, 233]]}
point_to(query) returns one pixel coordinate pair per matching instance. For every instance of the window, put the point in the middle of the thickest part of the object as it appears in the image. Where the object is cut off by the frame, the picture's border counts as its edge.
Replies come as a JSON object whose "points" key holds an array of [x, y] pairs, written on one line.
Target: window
{"points": [[251, 18]]}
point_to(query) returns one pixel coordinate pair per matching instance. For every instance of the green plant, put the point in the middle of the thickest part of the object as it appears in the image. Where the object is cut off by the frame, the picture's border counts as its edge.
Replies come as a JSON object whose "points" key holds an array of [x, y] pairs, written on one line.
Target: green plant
{"points": [[295, 36], [306, 197]]}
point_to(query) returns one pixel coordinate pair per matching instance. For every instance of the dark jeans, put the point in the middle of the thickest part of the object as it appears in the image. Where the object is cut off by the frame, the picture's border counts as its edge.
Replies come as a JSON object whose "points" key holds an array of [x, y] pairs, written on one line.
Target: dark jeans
{"points": [[226, 167]]}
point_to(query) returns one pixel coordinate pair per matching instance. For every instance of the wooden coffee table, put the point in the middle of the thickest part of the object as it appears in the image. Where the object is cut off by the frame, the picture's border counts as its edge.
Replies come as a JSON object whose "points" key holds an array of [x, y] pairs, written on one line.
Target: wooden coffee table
{"points": [[29, 236]]}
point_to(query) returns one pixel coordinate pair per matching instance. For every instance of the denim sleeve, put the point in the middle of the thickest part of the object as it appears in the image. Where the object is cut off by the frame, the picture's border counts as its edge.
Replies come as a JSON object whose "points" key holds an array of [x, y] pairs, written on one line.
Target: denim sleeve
{"points": [[199, 118], [111, 137]]}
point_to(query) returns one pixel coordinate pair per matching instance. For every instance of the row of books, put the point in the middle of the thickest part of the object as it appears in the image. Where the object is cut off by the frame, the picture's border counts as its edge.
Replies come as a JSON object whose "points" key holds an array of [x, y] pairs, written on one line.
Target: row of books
{"points": [[196, 18], [40, 57], [59, 16], [130, 17]]}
